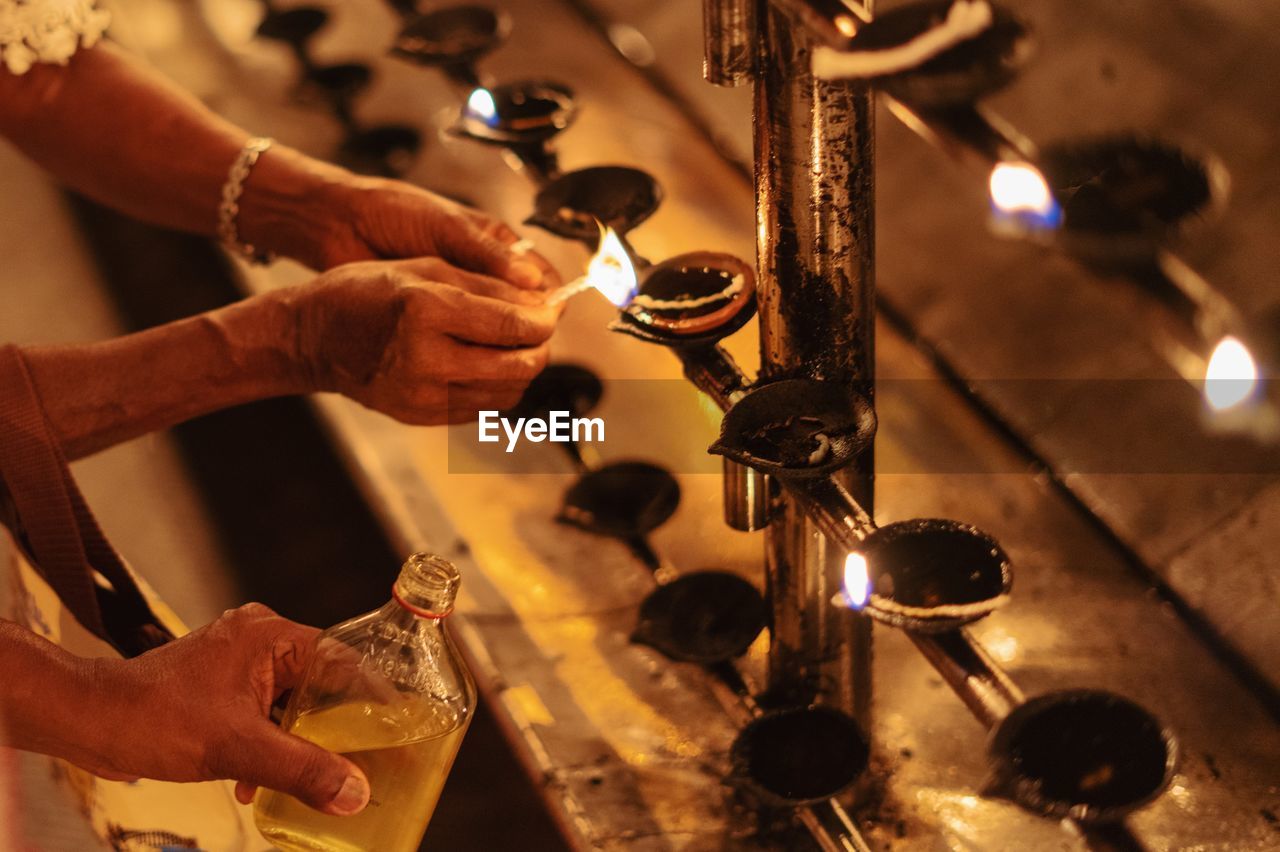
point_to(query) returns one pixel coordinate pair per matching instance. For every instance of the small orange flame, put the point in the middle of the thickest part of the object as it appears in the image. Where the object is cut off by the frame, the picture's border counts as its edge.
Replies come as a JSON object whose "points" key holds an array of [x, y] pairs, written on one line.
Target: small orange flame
{"points": [[846, 25], [857, 581], [1231, 375], [611, 270], [482, 105]]}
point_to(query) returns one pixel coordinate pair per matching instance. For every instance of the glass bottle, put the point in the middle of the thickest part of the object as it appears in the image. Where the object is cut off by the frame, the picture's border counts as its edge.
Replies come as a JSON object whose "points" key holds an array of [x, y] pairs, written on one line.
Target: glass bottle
{"points": [[388, 691]]}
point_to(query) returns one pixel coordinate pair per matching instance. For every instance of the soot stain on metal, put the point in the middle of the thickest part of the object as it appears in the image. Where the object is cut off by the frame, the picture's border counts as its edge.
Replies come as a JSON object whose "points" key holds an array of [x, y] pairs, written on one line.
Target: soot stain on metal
{"points": [[703, 617], [932, 565], [560, 387], [453, 35], [800, 755], [797, 428], [622, 500], [525, 112], [575, 204], [1091, 755], [1126, 184]]}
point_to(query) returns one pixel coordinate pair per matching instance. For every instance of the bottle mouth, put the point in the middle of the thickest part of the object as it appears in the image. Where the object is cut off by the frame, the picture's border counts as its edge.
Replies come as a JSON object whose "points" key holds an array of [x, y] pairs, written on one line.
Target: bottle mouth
{"points": [[427, 586], [417, 610]]}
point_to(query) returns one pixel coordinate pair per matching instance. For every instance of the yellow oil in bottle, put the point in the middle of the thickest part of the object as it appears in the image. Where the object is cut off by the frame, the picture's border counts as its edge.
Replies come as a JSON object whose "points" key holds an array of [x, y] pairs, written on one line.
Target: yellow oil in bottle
{"points": [[406, 760], [388, 691]]}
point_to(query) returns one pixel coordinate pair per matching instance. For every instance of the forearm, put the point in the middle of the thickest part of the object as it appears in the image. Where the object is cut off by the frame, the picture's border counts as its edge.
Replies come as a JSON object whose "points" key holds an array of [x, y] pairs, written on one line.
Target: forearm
{"points": [[43, 692], [115, 130], [100, 394]]}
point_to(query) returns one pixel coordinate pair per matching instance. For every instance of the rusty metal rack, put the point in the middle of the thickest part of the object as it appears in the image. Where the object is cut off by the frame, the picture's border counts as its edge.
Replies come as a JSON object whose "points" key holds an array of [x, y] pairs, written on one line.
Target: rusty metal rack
{"points": [[814, 142]]}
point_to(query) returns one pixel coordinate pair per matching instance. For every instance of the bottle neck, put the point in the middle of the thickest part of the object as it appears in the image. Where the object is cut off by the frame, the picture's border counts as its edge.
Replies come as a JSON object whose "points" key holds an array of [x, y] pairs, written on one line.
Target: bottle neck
{"points": [[416, 610], [427, 586]]}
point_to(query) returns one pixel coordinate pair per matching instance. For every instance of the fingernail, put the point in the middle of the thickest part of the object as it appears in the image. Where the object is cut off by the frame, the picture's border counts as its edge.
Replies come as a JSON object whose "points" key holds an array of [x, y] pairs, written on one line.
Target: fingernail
{"points": [[353, 796], [525, 272]]}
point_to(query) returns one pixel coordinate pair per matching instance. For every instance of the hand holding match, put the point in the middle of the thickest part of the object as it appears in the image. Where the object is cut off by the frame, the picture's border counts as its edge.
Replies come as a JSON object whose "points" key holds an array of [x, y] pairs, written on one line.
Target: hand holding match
{"points": [[568, 291]]}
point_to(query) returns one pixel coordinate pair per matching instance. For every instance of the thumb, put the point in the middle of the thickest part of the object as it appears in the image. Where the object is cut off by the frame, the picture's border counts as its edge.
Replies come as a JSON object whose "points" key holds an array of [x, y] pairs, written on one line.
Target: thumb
{"points": [[321, 779], [474, 250]]}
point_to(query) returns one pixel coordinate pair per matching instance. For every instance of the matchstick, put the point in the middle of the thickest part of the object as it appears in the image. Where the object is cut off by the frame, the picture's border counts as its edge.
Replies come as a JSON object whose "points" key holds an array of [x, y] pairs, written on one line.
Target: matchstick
{"points": [[570, 290]]}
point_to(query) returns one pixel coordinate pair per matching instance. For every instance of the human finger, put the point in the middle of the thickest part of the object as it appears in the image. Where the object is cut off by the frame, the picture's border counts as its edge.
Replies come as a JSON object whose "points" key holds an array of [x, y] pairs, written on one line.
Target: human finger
{"points": [[435, 269], [490, 368], [264, 756], [474, 248], [487, 321]]}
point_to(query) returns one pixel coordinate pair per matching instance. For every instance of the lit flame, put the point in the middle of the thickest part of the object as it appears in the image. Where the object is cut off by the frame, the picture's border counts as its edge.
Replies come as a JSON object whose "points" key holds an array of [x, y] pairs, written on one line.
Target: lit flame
{"points": [[482, 105], [1232, 375], [857, 581], [1019, 189], [611, 270]]}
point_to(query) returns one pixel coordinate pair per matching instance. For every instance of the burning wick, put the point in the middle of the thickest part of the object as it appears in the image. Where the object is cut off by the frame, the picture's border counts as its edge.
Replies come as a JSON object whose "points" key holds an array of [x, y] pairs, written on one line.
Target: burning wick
{"points": [[482, 105], [1231, 376], [847, 26], [857, 582], [610, 271], [1020, 190], [570, 290]]}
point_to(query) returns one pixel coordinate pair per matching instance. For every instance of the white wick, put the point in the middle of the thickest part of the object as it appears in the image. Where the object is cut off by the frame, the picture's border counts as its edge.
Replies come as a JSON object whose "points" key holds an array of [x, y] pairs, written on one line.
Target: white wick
{"points": [[965, 19], [643, 301], [570, 290]]}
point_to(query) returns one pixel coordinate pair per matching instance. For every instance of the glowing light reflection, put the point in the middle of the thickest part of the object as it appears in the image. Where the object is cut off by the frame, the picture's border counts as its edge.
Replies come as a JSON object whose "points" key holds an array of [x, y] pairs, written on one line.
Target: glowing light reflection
{"points": [[1019, 190], [481, 105], [1002, 645], [857, 581], [1231, 376], [611, 270]]}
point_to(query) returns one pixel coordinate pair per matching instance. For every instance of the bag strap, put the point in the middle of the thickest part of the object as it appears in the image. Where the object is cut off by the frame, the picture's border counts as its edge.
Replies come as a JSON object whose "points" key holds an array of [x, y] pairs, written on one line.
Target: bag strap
{"points": [[55, 526]]}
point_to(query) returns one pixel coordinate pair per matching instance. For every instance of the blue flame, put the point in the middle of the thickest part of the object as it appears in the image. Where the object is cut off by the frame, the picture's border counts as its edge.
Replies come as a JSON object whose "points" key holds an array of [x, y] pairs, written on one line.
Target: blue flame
{"points": [[481, 105], [1021, 198]]}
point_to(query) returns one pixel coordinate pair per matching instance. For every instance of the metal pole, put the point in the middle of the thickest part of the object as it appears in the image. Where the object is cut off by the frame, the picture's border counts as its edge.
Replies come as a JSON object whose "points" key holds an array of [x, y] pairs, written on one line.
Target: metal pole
{"points": [[814, 152], [971, 673], [729, 31]]}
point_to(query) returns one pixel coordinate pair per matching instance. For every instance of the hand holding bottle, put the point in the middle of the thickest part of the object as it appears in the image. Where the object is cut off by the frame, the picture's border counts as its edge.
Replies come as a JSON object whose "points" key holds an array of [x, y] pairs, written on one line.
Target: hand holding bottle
{"points": [[399, 712], [197, 710]]}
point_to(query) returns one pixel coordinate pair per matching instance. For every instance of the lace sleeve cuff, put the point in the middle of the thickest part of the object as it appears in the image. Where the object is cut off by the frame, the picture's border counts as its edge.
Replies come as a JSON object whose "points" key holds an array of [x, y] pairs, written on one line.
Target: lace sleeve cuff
{"points": [[49, 31]]}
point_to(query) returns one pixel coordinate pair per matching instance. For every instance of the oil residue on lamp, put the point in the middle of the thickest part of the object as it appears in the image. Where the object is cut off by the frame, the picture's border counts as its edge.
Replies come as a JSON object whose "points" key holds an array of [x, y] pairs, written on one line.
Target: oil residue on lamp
{"points": [[964, 20], [692, 299], [481, 105], [857, 582], [1021, 197], [1231, 376]]}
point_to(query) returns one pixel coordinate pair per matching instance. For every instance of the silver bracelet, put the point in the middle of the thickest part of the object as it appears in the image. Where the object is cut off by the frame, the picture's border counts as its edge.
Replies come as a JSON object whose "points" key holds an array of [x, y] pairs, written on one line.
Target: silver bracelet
{"points": [[229, 209]]}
